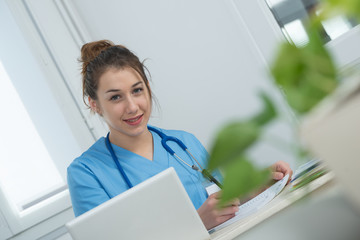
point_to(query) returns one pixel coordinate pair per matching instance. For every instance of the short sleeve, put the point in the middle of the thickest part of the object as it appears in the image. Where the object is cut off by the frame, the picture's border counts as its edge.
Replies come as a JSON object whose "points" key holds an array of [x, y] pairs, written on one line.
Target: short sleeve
{"points": [[85, 190]]}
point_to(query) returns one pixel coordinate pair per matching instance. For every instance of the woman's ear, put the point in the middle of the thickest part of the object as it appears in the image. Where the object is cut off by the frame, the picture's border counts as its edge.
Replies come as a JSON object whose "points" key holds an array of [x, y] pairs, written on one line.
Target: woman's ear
{"points": [[94, 106]]}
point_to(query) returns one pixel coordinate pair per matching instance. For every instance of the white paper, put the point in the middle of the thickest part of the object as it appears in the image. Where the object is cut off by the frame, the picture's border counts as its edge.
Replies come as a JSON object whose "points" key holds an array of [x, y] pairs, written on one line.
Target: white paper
{"points": [[256, 203], [213, 188]]}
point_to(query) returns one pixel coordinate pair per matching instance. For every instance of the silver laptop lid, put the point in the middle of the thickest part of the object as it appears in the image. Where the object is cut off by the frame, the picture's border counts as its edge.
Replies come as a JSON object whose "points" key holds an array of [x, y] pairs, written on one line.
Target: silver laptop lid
{"points": [[158, 208]]}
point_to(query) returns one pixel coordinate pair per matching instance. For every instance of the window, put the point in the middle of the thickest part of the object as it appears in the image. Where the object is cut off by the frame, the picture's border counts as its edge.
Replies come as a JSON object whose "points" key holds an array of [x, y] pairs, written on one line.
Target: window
{"points": [[42, 128], [291, 16], [27, 172]]}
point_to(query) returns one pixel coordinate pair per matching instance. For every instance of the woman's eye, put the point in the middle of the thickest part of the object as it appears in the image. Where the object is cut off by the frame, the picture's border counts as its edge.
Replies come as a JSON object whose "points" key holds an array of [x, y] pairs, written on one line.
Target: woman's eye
{"points": [[115, 97], [138, 90]]}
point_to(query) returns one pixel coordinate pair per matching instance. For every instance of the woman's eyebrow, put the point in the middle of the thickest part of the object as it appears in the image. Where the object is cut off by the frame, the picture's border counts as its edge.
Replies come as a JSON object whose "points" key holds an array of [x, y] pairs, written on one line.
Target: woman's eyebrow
{"points": [[119, 90], [138, 83], [113, 90]]}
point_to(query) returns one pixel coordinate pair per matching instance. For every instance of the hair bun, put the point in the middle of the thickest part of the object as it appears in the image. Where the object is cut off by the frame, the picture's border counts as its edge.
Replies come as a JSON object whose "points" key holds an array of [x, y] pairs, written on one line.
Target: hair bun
{"points": [[91, 50]]}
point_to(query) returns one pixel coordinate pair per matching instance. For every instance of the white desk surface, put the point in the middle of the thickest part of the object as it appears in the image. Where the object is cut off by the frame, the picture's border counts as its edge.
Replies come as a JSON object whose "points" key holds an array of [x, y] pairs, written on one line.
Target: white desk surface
{"points": [[282, 201]]}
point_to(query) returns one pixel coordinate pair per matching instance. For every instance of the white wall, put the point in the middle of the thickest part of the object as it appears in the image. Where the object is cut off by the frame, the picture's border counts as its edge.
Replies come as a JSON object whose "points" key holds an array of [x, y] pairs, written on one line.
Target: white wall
{"points": [[204, 64]]}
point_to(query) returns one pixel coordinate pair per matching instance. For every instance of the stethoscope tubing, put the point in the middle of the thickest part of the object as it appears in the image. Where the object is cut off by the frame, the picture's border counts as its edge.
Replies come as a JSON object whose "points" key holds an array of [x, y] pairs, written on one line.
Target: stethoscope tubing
{"points": [[164, 139], [120, 168]]}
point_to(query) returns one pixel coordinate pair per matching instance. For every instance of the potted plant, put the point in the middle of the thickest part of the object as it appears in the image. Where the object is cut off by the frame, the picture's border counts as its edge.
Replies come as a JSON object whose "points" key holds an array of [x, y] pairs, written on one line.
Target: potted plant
{"points": [[306, 75]]}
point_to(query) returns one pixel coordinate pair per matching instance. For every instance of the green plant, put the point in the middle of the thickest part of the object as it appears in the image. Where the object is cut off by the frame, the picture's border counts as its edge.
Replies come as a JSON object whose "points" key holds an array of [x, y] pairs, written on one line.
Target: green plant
{"points": [[229, 153], [350, 8], [306, 75]]}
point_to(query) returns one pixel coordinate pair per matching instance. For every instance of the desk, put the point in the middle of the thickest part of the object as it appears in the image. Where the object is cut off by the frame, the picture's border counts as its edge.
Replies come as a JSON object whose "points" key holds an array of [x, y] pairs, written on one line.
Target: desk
{"points": [[278, 220]]}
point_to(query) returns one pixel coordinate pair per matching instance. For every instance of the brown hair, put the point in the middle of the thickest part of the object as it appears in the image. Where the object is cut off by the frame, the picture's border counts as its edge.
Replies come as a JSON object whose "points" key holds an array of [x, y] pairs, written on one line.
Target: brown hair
{"points": [[97, 57]]}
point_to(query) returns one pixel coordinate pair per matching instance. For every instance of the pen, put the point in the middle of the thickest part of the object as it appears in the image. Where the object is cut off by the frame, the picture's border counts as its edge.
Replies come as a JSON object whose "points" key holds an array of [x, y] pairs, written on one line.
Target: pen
{"points": [[206, 174]]}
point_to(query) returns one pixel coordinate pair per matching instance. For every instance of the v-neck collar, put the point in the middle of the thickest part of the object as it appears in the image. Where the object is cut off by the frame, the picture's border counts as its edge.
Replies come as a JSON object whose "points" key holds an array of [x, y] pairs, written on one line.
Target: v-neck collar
{"points": [[160, 158]]}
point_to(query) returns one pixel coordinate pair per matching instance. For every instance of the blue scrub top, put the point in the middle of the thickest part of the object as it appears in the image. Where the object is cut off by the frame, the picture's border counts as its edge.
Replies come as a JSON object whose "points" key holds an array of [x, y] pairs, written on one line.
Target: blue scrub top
{"points": [[94, 178]]}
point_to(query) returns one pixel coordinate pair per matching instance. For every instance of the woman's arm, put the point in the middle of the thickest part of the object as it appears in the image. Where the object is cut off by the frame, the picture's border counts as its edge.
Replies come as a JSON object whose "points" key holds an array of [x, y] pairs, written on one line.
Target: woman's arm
{"points": [[85, 190]]}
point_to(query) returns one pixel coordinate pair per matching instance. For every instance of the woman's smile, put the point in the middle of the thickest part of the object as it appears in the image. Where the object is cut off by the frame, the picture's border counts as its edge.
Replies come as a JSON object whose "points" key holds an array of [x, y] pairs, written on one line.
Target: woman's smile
{"points": [[135, 120]]}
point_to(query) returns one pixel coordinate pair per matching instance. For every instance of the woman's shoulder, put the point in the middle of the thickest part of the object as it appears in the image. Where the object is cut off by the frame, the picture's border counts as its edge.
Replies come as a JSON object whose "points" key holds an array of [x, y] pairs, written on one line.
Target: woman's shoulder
{"points": [[91, 155]]}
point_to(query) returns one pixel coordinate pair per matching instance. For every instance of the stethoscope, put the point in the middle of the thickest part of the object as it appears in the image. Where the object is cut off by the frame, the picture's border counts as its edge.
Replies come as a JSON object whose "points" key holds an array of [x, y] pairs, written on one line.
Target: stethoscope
{"points": [[164, 139]]}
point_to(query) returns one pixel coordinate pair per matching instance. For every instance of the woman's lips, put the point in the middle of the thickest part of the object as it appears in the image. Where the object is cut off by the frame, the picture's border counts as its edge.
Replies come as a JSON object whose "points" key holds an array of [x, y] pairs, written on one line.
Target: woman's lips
{"points": [[134, 121]]}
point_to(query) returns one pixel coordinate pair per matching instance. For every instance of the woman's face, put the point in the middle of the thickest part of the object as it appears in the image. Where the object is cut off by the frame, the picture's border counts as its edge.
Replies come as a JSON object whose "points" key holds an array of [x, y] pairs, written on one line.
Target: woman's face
{"points": [[123, 101]]}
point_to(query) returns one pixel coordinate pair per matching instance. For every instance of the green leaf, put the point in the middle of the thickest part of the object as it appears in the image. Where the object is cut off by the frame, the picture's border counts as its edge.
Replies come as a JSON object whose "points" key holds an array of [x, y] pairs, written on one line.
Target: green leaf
{"points": [[307, 74], [350, 8], [288, 65], [231, 142], [236, 137], [268, 113], [242, 178]]}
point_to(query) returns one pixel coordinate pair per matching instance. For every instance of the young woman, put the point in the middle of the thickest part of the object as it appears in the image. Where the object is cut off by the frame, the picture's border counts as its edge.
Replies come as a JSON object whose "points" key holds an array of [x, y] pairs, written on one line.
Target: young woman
{"points": [[117, 88]]}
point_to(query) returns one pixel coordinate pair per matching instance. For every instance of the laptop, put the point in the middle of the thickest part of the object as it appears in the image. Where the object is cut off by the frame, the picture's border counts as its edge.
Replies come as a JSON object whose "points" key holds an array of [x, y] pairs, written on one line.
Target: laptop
{"points": [[158, 208]]}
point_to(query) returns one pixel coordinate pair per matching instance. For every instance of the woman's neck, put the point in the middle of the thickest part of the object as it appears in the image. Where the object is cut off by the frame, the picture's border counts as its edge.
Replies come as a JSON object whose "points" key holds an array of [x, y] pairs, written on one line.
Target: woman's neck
{"points": [[141, 145]]}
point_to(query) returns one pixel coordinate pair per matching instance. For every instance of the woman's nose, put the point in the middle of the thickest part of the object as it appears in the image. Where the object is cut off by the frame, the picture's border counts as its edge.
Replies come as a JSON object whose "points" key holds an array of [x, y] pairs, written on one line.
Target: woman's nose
{"points": [[131, 107]]}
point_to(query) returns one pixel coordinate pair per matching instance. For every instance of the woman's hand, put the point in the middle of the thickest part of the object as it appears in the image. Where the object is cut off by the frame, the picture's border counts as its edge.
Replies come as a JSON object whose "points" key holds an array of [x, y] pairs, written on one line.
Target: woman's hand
{"points": [[212, 215], [280, 169]]}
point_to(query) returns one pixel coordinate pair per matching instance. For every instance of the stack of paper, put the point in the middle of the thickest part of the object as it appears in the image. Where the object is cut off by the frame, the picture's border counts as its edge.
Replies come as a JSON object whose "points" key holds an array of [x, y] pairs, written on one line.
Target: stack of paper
{"points": [[256, 203]]}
